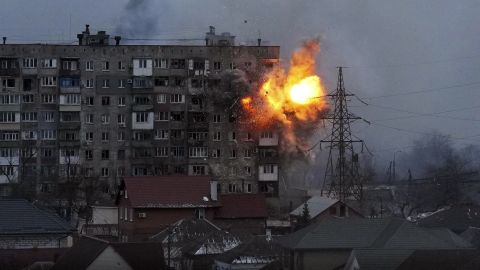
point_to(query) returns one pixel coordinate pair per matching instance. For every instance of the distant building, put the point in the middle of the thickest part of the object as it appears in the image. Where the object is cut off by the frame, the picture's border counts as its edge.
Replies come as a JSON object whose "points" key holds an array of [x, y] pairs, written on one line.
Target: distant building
{"points": [[95, 254], [363, 244], [149, 203], [97, 112], [242, 214]]}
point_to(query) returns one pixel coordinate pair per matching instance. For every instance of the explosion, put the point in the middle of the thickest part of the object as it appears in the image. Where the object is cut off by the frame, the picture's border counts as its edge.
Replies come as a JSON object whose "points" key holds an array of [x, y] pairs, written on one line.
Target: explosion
{"points": [[293, 97]]}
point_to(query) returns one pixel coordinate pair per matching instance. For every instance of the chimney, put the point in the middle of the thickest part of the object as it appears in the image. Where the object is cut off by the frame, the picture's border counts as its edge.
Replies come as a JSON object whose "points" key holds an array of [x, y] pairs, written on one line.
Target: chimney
{"points": [[80, 37], [259, 42], [4, 40], [213, 190], [212, 30], [87, 28], [117, 40], [206, 41]]}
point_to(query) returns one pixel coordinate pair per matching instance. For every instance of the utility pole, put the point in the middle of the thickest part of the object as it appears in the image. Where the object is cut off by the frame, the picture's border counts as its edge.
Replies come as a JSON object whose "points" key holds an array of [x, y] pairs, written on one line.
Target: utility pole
{"points": [[342, 180]]}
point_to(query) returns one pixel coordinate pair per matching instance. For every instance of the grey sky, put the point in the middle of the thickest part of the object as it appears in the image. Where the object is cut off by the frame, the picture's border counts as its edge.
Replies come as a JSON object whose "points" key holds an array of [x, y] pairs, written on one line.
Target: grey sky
{"points": [[392, 47]]}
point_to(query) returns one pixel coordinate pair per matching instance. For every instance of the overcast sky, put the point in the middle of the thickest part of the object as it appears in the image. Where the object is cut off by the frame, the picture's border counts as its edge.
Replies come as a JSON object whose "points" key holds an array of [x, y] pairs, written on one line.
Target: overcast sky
{"points": [[415, 62]]}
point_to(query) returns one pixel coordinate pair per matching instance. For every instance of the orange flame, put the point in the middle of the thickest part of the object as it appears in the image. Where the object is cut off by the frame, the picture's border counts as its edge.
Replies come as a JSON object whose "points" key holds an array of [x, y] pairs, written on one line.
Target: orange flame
{"points": [[289, 97]]}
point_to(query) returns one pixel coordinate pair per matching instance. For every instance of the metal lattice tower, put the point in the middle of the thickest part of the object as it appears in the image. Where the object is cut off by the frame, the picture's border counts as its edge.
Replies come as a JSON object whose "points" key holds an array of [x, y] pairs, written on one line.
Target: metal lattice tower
{"points": [[342, 180]]}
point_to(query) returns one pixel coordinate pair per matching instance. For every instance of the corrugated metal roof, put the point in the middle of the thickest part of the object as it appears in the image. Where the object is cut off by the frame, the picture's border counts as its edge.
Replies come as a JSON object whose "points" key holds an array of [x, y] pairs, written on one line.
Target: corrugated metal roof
{"points": [[21, 217]]}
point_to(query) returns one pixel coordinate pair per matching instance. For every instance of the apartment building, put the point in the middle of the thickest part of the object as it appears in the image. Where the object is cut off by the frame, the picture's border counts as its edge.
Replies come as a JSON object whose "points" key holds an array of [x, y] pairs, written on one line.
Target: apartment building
{"points": [[104, 111]]}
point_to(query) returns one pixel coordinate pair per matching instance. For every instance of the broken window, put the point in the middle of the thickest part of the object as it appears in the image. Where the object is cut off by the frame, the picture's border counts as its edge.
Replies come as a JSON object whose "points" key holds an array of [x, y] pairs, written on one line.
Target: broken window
{"points": [[161, 81]]}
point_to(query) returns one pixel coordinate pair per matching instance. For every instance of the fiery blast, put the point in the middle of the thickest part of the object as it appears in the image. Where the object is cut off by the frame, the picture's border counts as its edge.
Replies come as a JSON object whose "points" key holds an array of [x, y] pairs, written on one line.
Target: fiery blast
{"points": [[293, 98]]}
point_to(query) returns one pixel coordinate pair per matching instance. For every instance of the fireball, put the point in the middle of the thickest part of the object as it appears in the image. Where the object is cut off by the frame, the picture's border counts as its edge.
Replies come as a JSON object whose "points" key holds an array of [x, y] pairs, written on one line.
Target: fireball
{"points": [[289, 97]]}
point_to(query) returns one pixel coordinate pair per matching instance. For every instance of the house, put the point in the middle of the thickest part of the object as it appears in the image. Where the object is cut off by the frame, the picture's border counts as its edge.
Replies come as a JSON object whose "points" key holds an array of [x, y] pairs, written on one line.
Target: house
{"points": [[322, 207], [149, 203], [194, 243], [373, 243], [253, 254], [457, 218], [242, 213], [96, 254], [29, 233]]}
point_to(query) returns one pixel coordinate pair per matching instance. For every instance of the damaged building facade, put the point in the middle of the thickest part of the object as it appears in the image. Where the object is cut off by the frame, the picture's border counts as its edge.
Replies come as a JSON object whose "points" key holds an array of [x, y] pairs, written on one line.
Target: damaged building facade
{"points": [[102, 110]]}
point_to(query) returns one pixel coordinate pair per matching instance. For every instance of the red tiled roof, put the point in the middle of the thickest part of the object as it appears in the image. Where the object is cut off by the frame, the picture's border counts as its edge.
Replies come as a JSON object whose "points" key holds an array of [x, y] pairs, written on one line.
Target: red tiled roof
{"points": [[169, 191], [242, 206]]}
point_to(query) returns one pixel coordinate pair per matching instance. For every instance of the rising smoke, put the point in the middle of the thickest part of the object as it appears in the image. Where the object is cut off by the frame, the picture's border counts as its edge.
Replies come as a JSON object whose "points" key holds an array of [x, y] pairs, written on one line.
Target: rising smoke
{"points": [[138, 19]]}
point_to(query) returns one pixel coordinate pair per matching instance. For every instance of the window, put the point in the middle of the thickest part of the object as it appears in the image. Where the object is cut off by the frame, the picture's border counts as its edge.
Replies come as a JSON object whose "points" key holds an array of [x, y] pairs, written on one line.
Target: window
{"points": [[69, 65], [161, 134], [121, 101], [89, 83], [106, 66], [89, 118], [195, 152], [161, 98], [217, 136], [105, 100], [105, 154], [106, 83], [49, 63], [9, 99], [89, 65], [217, 65], [121, 119], [121, 65], [90, 100], [142, 100], [177, 98], [121, 154], [8, 135], [8, 152], [29, 116], [47, 152], [216, 153], [70, 99], [141, 117], [49, 116], [29, 135], [28, 98], [160, 63], [266, 135], [27, 84], [142, 63], [49, 99], [48, 81], [161, 81], [89, 136], [30, 63], [176, 116], [121, 83], [177, 151], [105, 119], [161, 151], [121, 135], [247, 170], [232, 136], [198, 170], [7, 117], [268, 168], [177, 63], [233, 153], [8, 83], [48, 134], [248, 188], [249, 136], [105, 136], [232, 188], [88, 154], [105, 172], [247, 153], [216, 118], [161, 116]]}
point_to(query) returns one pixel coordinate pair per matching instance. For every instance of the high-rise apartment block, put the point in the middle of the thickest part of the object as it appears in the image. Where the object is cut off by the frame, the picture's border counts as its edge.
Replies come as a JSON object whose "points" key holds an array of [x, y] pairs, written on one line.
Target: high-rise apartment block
{"points": [[103, 111]]}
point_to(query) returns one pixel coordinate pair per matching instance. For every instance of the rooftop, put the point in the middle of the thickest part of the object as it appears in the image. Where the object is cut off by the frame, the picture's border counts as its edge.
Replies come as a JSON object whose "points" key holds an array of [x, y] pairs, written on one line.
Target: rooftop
{"points": [[242, 206], [19, 216], [457, 218], [169, 191]]}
